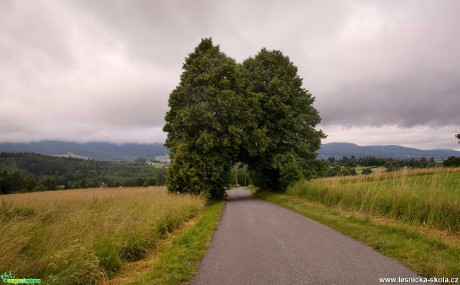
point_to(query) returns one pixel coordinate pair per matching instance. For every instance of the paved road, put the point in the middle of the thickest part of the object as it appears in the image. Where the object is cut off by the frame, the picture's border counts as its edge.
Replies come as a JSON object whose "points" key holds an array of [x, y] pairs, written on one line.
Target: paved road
{"points": [[260, 243]]}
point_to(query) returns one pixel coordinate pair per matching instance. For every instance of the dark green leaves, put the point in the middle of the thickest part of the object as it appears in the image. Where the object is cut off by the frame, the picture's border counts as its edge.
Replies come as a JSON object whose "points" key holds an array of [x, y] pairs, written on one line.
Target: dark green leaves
{"points": [[209, 120], [222, 113], [289, 118]]}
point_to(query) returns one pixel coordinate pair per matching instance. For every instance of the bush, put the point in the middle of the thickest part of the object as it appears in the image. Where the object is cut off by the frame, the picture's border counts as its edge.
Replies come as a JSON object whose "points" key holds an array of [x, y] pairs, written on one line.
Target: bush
{"points": [[451, 161]]}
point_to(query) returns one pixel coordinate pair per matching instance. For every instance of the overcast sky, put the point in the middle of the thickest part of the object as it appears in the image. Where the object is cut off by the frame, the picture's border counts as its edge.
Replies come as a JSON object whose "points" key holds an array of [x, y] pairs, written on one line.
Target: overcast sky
{"points": [[382, 72]]}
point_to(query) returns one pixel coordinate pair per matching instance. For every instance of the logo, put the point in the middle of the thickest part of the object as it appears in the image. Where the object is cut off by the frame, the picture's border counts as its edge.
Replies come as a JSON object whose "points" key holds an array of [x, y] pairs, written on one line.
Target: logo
{"points": [[10, 279]]}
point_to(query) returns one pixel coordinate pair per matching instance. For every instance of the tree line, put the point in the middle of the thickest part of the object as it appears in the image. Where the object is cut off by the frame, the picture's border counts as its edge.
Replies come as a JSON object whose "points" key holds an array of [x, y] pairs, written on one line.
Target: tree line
{"points": [[347, 165], [24, 172], [255, 112], [377, 161]]}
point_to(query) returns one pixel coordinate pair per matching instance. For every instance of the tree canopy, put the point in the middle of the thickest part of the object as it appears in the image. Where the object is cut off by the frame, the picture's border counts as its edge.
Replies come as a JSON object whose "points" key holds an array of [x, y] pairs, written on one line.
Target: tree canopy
{"points": [[223, 112], [288, 116], [210, 119]]}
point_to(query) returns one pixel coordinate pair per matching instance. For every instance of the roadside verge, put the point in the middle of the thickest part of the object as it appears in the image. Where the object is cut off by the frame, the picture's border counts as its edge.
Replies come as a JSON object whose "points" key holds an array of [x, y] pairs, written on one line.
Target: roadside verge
{"points": [[429, 252], [178, 258]]}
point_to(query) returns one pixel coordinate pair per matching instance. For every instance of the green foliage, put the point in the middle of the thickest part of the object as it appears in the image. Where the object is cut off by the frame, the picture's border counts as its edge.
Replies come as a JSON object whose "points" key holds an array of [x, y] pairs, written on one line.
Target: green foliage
{"points": [[239, 175], [338, 170], [451, 161], [25, 172], [349, 165], [256, 113], [210, 119], [191, 172], [288, 116]]}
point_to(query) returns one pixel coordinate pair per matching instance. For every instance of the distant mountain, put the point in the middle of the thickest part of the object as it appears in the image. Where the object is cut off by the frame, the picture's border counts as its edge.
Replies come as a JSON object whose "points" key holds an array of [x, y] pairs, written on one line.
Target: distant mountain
{"points": [[383, 151], [130, 152], [92, 150]]}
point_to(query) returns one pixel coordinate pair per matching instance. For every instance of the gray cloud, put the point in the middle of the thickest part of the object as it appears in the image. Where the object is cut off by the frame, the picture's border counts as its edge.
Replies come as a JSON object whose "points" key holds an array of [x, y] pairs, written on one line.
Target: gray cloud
{"points": [[103, 70], [407, 75], [429, 99]]}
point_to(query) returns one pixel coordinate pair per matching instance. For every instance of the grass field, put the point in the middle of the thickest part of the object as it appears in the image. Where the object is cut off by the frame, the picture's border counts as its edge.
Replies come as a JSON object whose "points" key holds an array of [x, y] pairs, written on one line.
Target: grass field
{"points": [[375, 169], [84, 236], [429, 197], [156, 164], [411, 215]]}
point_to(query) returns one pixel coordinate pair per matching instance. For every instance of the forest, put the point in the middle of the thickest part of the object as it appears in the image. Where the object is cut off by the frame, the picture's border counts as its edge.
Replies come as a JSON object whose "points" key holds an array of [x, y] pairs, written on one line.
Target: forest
{"points": [[28, 172]]}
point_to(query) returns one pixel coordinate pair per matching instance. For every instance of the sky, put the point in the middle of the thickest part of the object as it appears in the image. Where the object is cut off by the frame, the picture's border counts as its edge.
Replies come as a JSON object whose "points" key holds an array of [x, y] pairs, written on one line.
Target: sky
{"points": [[382, 72]]}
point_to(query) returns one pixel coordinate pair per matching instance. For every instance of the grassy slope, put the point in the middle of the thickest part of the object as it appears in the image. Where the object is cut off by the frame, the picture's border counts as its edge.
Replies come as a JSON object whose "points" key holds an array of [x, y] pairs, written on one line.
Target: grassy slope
{"points": [[427, 249], [84, 236]]}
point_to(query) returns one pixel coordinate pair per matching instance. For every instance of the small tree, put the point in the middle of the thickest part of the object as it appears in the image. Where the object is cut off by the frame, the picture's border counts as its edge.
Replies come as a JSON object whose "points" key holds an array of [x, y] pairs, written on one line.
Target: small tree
{"points": [[451, 161]]}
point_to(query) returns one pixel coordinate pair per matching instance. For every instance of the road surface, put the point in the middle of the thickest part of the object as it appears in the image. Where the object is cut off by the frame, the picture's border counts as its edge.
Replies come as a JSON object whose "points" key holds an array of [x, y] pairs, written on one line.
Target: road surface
{"points": [[257, 242]]}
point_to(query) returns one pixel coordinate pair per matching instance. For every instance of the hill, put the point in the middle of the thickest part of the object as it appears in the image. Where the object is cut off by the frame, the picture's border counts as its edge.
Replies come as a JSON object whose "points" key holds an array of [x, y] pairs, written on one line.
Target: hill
{"points": [[24, 172], [130, 152], [382, 151], [92, 150]]}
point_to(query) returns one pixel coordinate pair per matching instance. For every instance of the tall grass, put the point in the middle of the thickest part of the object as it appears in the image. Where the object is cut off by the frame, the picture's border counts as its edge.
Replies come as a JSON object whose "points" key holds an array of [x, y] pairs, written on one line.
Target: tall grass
{"points": [[83, 236], [430, 197], [179, 260]]}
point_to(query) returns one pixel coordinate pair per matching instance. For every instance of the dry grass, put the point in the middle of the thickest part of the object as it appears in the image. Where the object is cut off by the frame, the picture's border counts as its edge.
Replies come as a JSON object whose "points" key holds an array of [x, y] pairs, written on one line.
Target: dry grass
{"points": [[84, 236]]}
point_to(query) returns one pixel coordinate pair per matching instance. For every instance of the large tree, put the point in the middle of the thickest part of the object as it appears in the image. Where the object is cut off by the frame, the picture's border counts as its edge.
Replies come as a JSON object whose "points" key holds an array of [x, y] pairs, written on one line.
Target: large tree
{"points": [[256, 113], [211, 117], [289, 118]]}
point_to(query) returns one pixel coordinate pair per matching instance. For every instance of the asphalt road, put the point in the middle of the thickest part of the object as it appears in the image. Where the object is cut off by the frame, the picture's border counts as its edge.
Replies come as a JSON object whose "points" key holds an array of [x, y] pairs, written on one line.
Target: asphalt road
{"points": [[257, 242]]}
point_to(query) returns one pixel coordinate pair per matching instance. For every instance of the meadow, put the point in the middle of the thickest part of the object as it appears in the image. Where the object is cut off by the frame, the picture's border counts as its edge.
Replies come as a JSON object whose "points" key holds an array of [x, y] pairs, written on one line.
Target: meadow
{"points": [[85, 236], [429, 197], [375, 169]]}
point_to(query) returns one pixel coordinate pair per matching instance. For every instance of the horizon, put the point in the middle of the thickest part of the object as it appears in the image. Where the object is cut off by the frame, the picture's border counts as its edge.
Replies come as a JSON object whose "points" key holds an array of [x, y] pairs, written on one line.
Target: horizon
{"points": [[382, 73], [162, 143]]}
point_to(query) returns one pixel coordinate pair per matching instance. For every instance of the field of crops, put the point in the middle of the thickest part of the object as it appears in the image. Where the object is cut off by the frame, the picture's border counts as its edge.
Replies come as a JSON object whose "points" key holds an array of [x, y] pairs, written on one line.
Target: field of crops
{"points": [[430, 197], [84, 236]]}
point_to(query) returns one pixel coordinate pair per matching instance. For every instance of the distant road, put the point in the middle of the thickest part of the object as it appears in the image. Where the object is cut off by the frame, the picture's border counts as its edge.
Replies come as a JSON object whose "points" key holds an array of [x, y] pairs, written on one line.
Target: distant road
{"points": [[260, 243]]}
